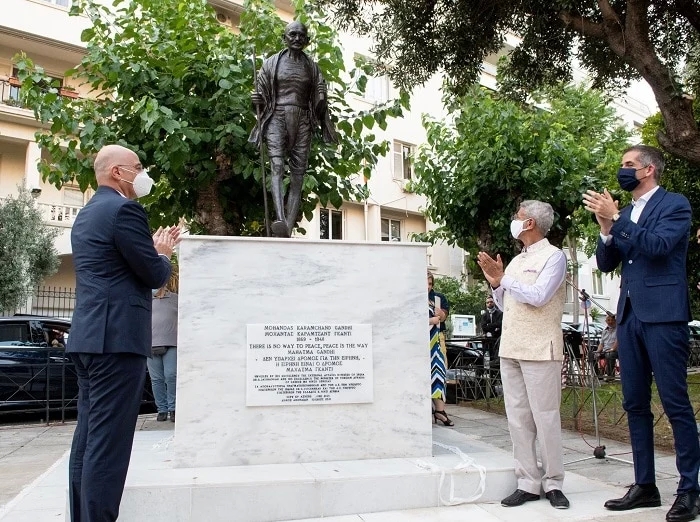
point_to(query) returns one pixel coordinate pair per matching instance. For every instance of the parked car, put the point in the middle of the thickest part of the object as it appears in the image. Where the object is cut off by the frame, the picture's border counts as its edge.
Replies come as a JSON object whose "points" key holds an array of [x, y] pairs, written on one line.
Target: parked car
{"points": [[35, 372], [694, 356]]}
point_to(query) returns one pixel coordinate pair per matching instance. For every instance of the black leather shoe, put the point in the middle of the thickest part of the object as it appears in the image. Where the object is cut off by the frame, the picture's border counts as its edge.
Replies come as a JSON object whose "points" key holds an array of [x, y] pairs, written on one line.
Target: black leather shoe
{"points": [[519, 498], [162, 416], [557, 499], [637, 496], [684, 508], [172, 416]]}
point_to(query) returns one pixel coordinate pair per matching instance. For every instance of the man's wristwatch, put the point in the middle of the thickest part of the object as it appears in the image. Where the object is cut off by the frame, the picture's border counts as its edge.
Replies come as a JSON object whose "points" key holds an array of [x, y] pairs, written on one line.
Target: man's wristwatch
{"points": [[616, 216]]}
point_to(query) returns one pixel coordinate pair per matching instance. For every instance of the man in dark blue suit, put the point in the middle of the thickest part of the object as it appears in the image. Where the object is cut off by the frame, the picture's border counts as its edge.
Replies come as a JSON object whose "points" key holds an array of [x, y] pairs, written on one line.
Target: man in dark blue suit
{"points": [[650, 240], [117, 263]]}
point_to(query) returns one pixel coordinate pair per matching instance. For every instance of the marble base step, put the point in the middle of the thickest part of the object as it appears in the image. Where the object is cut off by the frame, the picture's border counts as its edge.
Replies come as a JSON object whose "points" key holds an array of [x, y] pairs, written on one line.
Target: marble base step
{"points": [[156, 491]]}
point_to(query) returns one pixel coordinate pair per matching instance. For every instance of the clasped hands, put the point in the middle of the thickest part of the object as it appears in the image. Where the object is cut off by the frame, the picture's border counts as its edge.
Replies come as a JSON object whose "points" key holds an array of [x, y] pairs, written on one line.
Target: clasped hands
{"points": [[492, 268], [603, 206], [165, 239]]}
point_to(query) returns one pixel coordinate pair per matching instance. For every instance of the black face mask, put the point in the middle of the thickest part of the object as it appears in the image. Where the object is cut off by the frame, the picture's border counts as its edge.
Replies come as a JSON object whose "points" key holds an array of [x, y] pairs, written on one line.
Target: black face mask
{"points": [[627, 178]]}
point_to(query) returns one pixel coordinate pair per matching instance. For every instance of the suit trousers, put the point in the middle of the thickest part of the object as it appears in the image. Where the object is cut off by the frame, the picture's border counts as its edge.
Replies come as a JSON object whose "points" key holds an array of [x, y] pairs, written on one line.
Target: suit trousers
{"points": [[661, 348], [532, 393], [110, 391]]}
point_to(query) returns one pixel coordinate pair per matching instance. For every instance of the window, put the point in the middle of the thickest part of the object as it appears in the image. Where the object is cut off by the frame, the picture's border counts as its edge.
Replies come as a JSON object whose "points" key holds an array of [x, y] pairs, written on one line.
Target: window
{"points": [[73, 197], [403, 160], [391, 229], [378, 86], [14, 333], [377, 90], [62, 3], [597, 282], [570, 297], [331, 225]]}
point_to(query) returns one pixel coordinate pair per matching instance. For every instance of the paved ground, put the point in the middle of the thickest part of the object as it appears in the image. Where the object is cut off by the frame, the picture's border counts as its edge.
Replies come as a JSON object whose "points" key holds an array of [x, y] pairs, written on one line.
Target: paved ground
{"points": [[27, 451]]}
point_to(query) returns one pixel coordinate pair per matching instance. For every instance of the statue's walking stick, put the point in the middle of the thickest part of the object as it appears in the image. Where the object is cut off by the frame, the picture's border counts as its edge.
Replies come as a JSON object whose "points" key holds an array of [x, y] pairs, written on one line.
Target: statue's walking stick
{"points": [[260, 148]]}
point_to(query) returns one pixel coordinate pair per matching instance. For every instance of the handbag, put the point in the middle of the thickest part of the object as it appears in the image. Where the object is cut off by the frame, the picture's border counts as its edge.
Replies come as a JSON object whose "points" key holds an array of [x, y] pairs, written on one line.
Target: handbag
{"points": [[158, 350]]}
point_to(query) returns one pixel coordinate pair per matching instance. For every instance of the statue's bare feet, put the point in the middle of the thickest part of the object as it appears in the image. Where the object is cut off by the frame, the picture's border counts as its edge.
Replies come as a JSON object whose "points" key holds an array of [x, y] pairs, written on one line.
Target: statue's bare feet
{"points": [[279, 229]]}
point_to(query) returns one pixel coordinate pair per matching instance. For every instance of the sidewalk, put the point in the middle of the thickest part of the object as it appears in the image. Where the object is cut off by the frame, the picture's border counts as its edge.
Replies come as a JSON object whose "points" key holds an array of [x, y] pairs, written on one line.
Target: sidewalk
{"points": [[30, 452]]}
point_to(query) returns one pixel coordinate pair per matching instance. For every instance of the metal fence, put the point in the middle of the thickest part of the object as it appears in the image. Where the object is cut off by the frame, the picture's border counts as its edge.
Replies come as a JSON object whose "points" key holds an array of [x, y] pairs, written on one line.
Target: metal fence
{"points": [[478, 381], [49, 301]]}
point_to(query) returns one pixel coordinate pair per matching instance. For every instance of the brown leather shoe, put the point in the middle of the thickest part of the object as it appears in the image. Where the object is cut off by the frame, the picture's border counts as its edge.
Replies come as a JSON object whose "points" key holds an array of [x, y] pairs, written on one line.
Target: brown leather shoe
{"points": [[637, 496]]}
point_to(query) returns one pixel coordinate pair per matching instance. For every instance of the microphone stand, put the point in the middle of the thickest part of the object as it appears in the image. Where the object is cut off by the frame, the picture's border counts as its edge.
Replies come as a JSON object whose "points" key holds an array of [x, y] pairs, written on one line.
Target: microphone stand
{"points": [[599, 450]]}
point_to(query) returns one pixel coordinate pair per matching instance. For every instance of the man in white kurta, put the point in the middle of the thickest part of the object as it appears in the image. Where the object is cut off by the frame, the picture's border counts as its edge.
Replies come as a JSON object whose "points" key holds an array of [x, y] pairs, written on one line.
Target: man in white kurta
{"points": [[531, 293]]}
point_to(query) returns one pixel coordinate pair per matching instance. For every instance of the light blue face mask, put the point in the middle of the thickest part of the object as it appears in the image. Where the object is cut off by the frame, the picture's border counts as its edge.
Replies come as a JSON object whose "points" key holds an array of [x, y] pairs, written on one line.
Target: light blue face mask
{"points": [[154, 291]]}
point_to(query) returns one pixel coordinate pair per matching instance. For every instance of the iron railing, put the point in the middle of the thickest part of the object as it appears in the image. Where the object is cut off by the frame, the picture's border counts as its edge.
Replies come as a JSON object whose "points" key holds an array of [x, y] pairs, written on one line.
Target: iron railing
{"points": [[48, 301]]}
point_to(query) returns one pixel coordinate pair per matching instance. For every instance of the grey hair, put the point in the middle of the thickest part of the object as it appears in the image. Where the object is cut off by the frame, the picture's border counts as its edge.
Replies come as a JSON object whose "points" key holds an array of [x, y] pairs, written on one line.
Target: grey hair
{"points": [[541, 212]]}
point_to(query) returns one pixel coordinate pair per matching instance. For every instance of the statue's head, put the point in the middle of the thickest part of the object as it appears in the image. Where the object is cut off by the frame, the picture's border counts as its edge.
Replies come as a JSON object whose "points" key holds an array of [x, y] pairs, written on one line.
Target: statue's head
{"points": [[296, 36]]}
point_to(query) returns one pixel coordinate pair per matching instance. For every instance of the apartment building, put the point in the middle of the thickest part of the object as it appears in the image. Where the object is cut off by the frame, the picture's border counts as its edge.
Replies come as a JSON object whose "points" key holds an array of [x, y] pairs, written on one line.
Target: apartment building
{"points": [[43, 30]]}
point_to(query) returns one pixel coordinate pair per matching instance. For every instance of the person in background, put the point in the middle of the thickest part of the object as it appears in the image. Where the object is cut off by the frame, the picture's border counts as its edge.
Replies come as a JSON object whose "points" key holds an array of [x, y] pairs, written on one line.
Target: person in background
{"points": [[491, 319], [607, 348], [438, 308], [162, 365]]}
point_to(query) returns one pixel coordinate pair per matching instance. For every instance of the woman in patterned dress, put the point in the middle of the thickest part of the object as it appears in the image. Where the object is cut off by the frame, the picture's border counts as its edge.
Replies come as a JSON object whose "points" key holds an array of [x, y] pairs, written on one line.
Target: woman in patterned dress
{"points": [[438, 358]]}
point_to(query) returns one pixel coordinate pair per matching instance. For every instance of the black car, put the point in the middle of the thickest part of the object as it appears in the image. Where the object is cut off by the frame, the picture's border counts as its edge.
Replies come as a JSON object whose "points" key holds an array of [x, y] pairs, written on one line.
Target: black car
{"points": [[36, 375]]}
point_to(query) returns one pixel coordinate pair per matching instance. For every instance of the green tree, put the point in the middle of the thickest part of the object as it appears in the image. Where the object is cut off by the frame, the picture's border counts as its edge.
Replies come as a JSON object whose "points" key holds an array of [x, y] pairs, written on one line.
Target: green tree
{"points": [[174, 84], [496, 152], [463, 300], [614, 40], [27, 254]]}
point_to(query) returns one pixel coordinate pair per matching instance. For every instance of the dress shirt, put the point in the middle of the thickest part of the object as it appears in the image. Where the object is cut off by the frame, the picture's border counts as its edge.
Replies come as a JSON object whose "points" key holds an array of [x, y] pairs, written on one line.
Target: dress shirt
{"points": [[637, 207], [546, 285]]}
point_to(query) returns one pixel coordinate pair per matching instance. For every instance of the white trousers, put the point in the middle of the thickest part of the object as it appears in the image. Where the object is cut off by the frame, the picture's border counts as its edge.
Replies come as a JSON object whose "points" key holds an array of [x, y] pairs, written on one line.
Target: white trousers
{"points": [[532, 393]]}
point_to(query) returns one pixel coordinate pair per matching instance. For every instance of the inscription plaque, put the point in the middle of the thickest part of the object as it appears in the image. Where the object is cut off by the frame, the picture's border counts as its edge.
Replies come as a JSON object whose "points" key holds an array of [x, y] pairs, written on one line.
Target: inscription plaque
{"points": [[309, 364]]}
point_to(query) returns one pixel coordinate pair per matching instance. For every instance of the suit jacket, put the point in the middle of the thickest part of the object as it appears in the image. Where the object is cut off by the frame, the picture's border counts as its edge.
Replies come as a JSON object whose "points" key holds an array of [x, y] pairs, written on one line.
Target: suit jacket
{"points": [[116, 266], [492, 323], [653, 255]]}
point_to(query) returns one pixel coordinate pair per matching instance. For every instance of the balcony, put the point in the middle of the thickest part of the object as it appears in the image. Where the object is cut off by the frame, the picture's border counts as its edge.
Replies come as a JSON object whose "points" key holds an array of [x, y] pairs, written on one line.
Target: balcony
{"points": [[9, 92], [58, 215]]}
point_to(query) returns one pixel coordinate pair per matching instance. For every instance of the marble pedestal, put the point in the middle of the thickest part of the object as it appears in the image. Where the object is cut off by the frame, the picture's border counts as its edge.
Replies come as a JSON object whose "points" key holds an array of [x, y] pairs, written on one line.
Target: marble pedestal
{"points": [[228, 283], [230, 461]]}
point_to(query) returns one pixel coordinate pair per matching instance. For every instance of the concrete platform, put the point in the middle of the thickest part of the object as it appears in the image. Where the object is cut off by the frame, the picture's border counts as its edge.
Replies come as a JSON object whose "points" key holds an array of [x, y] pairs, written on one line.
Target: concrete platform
{"points": [[359, 489]]}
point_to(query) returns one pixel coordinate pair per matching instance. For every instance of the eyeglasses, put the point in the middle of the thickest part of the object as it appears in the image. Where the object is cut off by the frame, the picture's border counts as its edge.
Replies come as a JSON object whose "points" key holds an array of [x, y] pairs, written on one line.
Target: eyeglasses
{"points": [[136, 167]]}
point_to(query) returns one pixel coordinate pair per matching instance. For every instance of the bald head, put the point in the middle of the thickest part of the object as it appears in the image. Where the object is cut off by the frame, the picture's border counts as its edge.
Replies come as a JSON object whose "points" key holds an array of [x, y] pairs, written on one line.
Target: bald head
{"points": [[296, 26], [110, 156]]}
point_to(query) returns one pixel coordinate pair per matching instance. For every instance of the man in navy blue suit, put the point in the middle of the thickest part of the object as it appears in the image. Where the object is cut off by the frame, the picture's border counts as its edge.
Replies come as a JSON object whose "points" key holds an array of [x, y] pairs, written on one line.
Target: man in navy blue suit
{"points": [[117, 263], [649, 239]]}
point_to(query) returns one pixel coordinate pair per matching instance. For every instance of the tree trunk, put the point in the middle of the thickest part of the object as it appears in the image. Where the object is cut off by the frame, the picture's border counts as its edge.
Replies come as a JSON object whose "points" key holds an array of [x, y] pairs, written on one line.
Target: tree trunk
{"points": [[209, 210], [631, 43]]}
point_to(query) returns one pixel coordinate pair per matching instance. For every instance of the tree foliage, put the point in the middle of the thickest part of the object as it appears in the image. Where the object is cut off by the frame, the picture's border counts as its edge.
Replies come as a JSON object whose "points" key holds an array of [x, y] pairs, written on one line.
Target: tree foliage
{"points": [[173, 84], [682, 177], [496, 153], [614, 40], [27, 254], [463, 300]]}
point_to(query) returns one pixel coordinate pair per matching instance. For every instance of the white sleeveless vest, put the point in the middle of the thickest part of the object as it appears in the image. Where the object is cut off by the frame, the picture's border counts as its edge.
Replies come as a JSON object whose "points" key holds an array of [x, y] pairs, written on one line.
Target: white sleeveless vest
{"points": [[529, 332]]}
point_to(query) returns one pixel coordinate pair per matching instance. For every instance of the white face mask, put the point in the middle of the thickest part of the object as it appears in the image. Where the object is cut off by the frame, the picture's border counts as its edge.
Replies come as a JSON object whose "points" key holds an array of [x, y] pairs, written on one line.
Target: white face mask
{"points": [[516, 227], [142, 183]]}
